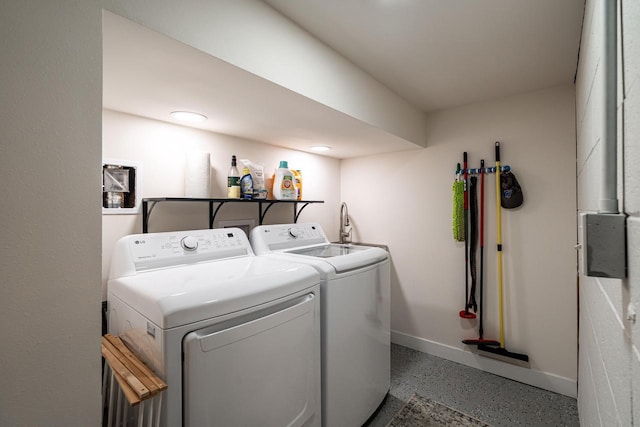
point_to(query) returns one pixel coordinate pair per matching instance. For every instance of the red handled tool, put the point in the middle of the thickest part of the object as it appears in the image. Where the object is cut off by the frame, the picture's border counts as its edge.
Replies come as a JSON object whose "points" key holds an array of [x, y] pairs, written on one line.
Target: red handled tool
{"points": [[466, 314], [481, 339]]}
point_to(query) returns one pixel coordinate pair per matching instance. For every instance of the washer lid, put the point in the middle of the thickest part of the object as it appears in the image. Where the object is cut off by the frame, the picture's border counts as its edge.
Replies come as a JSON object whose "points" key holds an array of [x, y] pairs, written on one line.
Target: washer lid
{"points": [[185, 294], [309, 243], [327, 251], [343, 258]]}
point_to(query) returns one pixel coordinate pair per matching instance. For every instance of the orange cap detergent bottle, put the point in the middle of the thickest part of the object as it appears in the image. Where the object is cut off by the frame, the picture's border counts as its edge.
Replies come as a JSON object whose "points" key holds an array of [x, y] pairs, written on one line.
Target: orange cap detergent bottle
{"points": [[283, 183]]}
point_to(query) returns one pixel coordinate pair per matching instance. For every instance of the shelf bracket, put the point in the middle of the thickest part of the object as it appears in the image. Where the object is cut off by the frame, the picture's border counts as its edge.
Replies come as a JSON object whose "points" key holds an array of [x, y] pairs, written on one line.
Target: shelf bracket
{"points": [[147, 208], [213, 213], [296, 212], [261, 213]]}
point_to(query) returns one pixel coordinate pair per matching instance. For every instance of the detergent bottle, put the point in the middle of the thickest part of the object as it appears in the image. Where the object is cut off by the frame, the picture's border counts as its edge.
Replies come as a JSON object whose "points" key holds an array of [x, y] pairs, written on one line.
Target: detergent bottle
{"points": [[283, 183], [297, 177]]}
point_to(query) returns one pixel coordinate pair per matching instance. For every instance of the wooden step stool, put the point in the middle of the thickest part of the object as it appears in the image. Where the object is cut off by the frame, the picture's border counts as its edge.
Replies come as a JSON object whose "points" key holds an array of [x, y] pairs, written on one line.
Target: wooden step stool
{"points": [[133, 380]]}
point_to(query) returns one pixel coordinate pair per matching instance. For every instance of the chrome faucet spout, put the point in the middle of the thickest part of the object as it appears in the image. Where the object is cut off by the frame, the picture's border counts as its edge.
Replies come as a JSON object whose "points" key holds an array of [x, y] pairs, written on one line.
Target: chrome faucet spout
{"points": [[345, 236]]}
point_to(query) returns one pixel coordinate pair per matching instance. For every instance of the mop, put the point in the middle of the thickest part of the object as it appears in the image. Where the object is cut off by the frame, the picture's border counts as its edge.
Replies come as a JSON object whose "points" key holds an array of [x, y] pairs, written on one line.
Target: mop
{"points": [[458, 207], [481, 339], [501, 353]]}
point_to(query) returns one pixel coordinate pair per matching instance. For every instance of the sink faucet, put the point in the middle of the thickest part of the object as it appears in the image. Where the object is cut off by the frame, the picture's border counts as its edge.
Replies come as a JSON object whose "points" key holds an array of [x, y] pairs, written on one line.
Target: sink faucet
{"points": [[345, 236]]}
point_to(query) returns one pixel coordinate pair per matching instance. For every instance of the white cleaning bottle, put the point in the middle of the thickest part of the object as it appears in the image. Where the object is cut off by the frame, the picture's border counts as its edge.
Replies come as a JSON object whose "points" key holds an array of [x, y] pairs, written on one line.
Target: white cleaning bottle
{"points": [[283, 183]]}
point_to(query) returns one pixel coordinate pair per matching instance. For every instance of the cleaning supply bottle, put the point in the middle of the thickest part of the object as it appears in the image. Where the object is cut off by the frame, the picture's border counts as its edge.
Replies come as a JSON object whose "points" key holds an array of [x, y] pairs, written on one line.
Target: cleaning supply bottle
{"points": [[233, 181], [297, 177], [283, 183], [246, 184]]}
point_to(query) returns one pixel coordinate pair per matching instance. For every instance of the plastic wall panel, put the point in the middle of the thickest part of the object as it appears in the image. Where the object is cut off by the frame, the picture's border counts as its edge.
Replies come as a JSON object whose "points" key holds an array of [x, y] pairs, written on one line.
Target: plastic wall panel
{"points": [[587, 397], [631, 44], [633, 227], [631, 54], [632, 151], [609, 357]]}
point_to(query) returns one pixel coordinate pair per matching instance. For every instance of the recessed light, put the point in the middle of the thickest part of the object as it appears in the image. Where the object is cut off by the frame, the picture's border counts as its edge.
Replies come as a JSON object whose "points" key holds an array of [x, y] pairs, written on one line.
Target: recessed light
{"points": [[321, 148], [188, 116]]}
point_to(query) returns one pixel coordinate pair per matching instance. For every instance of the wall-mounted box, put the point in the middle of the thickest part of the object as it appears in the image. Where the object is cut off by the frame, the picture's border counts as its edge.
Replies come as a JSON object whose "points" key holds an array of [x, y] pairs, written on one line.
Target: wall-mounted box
{"points": [[604, 245], [245, 225], [121, 186]]}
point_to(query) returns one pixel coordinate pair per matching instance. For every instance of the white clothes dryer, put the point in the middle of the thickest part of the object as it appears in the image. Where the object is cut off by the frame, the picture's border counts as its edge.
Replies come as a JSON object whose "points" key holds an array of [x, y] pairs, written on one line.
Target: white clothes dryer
{"points": [[236, 337], [355, 296]]}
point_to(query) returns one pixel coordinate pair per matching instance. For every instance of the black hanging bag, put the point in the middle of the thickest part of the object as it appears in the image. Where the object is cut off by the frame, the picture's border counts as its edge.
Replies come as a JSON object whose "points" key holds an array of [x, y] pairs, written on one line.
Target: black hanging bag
{"points": [[511, 196]]}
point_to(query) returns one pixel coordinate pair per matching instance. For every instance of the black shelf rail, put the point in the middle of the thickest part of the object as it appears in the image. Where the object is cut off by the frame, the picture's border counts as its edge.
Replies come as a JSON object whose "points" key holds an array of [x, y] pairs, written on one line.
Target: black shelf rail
{"points": [[215, 204]]}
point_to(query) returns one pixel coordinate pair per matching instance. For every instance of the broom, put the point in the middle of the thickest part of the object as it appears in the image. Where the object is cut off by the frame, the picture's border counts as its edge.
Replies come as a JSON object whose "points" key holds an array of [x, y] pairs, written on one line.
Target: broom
{"points": [[501, 353]]}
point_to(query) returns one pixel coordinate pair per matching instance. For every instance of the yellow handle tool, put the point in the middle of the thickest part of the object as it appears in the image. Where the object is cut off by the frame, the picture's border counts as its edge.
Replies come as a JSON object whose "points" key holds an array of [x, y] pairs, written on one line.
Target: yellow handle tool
{"points": [[499, 242]]}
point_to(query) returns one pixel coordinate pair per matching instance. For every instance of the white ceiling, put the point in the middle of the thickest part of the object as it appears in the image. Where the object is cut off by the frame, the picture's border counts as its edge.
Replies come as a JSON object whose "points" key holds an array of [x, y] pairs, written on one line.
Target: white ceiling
{"points": [[435, 54], [440, 54], [150, 75]]}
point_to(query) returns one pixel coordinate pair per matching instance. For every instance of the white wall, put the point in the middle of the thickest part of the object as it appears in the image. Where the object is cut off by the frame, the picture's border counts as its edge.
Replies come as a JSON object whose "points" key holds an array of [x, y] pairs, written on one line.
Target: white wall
{"points": [[609, 375], [50, 91], [251, 35], [162, 149], [404, 200]]}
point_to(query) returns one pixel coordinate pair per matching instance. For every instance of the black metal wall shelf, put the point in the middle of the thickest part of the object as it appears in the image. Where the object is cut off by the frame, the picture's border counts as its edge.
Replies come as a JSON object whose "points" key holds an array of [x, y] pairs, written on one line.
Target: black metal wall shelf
{"points": [[215, 204]]}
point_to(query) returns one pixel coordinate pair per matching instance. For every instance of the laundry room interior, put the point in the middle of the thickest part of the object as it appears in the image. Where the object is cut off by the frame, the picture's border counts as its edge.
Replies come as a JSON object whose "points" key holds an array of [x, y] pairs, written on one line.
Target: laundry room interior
{"points": [[272, 88]]}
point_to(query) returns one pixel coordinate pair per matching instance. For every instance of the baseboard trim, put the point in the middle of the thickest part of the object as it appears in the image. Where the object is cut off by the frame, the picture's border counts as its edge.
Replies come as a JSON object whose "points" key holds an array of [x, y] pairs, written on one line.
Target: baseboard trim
{"points": [[544, 380]]}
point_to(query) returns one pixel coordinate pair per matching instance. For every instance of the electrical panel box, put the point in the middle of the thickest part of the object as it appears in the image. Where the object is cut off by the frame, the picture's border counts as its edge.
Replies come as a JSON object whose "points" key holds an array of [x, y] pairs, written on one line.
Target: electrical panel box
{"points": [[604, 245]]}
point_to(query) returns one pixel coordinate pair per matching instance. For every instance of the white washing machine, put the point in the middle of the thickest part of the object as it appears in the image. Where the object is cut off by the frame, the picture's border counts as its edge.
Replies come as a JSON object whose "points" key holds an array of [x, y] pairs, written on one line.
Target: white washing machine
{"points": [[355, 296], [236, 337]]}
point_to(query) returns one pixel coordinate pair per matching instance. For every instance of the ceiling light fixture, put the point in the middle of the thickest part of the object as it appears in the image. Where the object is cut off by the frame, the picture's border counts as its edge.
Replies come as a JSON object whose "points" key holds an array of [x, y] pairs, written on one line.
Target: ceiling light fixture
{"points": [[321, 148], [188, 116]]}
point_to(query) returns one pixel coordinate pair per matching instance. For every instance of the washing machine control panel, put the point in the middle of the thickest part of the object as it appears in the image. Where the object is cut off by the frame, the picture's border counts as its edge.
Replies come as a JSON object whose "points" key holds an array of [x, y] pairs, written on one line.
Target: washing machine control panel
{"points": [[295, 232], [189, 243], [286, 236], [166, 249]]}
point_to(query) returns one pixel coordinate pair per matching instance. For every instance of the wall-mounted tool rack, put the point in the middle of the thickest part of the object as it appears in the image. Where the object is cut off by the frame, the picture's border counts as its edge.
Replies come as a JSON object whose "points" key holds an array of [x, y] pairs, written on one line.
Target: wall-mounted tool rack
{"points": [[491, 169], [215, 204]]}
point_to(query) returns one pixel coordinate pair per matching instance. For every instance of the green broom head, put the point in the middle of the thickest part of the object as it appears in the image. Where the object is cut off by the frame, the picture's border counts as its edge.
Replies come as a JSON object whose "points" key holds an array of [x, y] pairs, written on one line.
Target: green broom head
{"points": [[458, 211]]}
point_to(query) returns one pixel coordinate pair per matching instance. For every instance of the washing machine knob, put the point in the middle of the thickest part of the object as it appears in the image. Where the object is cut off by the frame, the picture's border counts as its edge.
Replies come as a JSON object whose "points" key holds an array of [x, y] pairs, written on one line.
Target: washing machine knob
{"points": [[294, 232], [189, 243]]}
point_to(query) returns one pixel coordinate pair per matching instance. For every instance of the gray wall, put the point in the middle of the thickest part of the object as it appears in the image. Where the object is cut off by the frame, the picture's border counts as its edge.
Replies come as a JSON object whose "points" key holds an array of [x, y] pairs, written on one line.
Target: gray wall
{"points": [[50, 115], [609, 359]]}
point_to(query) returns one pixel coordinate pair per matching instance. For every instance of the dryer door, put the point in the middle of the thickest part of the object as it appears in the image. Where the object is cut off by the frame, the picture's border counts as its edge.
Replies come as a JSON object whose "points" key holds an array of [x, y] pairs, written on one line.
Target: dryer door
{"points": [[261, 369]]}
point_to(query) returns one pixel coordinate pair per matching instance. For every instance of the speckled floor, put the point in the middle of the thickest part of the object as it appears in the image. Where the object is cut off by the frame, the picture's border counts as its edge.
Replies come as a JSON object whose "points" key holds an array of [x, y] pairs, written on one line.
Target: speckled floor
{"points": [[495, 400]]}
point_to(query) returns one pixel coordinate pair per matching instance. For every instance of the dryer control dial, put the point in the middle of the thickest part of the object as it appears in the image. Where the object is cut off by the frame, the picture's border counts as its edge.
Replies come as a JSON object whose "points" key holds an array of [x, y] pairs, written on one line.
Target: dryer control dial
{"points": [[189, 243], [295, 232]]}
